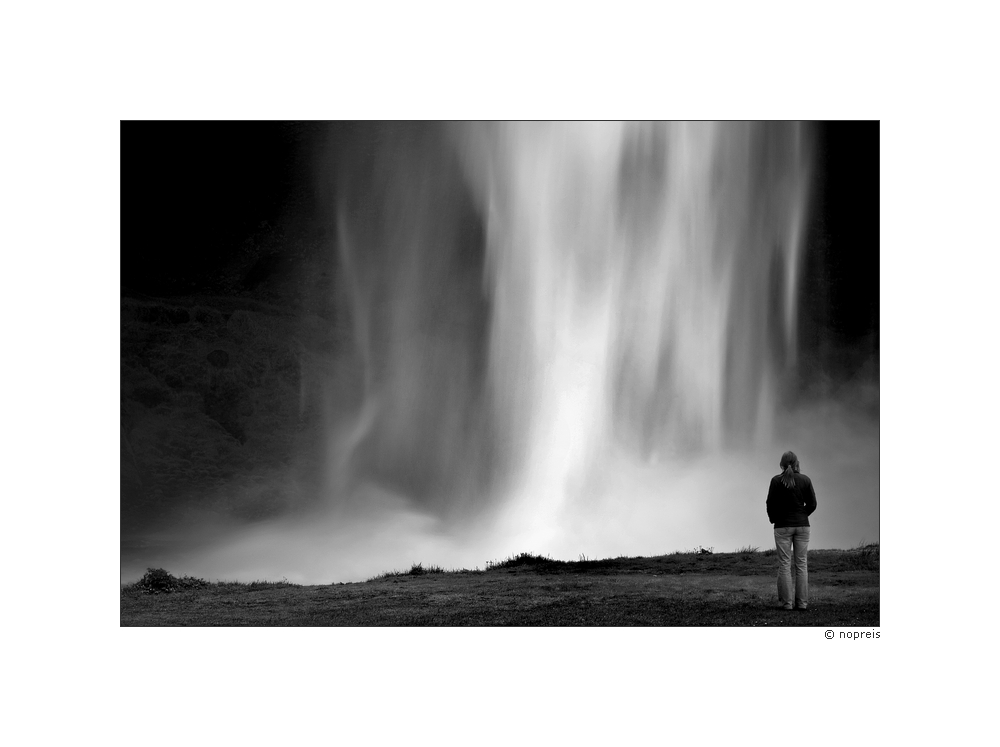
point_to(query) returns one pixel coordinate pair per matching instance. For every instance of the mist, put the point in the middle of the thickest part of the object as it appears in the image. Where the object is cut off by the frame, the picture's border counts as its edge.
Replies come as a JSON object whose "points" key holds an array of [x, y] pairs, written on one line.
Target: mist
{"points": [[561, 338]]}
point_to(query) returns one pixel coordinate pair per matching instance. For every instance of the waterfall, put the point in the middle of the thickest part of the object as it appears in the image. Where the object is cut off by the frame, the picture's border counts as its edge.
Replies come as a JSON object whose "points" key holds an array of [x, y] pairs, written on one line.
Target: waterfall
{"points": [[528, 297]]}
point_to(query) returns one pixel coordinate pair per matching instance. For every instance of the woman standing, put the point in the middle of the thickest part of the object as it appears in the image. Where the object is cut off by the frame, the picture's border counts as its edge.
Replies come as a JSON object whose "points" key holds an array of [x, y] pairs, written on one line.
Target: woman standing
{"points": [[790, 501]]}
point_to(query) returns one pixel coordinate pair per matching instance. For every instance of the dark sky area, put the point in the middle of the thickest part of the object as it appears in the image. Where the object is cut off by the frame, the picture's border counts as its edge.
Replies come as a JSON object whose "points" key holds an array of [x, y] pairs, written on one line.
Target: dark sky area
{"points": [[193, 192]]}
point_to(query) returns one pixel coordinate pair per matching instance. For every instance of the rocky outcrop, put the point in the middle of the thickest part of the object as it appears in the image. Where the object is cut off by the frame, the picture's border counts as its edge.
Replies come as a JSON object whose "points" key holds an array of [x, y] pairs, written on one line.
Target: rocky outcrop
{"points": [[218, 358], [212, 403]]}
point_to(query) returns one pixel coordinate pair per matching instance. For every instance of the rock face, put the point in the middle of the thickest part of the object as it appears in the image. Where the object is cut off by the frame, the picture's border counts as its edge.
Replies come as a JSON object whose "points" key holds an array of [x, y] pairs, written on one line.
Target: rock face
{"points": [[132, 492], [218, 358], [214, 413], [225, 401]]}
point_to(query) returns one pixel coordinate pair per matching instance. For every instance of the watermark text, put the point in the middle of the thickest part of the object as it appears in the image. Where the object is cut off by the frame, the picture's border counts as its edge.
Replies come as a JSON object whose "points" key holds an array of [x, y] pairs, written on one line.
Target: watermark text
{"points": [[854, 635]]}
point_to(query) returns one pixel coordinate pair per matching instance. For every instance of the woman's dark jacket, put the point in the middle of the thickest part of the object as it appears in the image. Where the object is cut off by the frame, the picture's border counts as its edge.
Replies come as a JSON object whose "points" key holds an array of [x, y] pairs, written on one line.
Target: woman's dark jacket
{"points": [[790, 507]]}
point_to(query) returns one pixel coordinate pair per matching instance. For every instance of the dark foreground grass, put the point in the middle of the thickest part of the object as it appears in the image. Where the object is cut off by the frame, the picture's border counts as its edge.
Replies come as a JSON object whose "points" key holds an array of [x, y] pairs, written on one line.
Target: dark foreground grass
{"points": [[682, 589]]}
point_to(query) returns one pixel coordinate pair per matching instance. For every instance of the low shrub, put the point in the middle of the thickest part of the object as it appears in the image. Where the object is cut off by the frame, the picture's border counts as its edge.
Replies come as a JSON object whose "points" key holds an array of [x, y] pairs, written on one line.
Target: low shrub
{"points": [[159, 581]]}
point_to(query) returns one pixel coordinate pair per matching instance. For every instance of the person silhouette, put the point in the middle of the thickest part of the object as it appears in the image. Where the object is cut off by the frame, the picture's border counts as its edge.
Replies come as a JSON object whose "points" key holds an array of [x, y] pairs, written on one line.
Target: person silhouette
{"points": [[791, 499]]}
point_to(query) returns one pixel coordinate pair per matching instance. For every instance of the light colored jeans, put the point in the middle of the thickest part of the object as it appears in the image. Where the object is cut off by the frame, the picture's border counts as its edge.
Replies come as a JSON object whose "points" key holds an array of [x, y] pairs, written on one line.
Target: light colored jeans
{"points": [[792, 542]]}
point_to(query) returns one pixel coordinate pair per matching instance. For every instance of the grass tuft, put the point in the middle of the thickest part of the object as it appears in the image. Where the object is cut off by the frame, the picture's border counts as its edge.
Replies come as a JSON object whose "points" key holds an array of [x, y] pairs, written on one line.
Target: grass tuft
{"points": [[519, 560], [417, 569], [865, 556], [254, 585], [747, 550]]}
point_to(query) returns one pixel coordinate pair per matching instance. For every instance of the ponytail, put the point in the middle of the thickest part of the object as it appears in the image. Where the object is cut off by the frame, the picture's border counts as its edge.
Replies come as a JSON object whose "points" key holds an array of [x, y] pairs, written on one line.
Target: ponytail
{"points": [[790, 464]]}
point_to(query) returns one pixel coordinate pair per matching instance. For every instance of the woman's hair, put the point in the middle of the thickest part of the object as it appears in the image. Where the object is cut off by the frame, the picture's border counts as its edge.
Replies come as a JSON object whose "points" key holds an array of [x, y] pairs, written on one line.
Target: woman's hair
{"points": [[790, 464]]}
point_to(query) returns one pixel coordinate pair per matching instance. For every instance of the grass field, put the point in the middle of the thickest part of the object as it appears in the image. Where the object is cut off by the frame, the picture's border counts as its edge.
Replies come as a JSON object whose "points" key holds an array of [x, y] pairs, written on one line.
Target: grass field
{"points": [[680, 589]]}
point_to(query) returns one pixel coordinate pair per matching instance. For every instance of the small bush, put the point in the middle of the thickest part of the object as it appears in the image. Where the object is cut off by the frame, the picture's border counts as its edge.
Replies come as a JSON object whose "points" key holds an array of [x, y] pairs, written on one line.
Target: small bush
{"points": [[159, 581], [748, 550]]}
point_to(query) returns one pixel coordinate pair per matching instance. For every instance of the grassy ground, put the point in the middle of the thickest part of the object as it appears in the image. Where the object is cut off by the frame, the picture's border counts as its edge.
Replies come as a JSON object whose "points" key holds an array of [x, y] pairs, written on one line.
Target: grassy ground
{"points": [[682, 589]]}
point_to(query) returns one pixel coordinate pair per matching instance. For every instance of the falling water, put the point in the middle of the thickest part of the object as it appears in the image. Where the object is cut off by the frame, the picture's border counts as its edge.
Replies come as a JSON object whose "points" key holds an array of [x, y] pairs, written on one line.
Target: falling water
{"points": [[643, 279], [621, 288]]}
